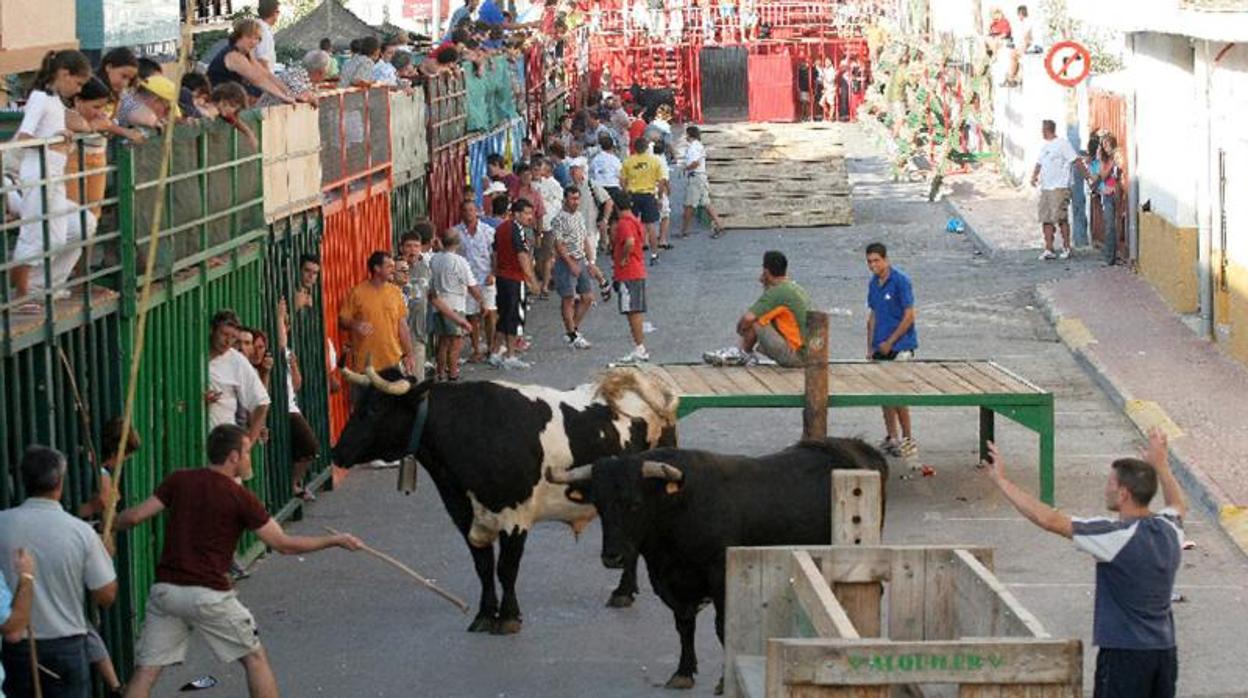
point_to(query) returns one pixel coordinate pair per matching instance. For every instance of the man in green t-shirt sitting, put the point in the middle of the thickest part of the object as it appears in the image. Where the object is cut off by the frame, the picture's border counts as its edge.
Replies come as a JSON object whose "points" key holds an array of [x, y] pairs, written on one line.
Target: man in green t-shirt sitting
{"points": [[776, 324]]}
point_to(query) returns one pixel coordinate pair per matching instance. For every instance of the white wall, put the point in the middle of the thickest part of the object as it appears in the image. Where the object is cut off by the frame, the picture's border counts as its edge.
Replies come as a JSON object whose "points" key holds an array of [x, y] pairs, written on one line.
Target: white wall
{"points": [[1167, 155], [1018, 113], [1228, 104]]}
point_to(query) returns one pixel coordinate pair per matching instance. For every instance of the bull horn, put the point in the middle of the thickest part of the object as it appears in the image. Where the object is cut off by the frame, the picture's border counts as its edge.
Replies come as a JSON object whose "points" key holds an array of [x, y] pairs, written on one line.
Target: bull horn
{"points": [[567, 477], [653, 468], [399, 387], [353, 377]]}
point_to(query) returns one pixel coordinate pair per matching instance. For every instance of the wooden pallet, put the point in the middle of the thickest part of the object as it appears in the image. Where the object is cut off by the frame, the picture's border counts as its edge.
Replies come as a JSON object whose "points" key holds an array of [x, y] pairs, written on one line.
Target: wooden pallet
{"points": [[25, 328]]}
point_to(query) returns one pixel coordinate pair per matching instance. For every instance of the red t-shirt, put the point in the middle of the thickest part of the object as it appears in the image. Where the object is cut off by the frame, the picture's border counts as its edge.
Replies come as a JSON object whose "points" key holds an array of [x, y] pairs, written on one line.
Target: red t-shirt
{"points": [[635, 131], [509, 242], [633, 267], [206, 514]]}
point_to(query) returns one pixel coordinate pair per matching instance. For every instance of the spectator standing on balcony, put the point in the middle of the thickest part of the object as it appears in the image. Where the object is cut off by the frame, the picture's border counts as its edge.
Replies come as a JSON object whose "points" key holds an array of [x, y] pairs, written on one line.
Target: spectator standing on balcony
{"points": [[358, 70], [235, 63], [72, 559], [384, 72], [461, 13], [301, 80], [327, 45], [266, 51], [131, 109], [1052, 175], [234, 387], [119, 69], [208, 511], [60, 77]]}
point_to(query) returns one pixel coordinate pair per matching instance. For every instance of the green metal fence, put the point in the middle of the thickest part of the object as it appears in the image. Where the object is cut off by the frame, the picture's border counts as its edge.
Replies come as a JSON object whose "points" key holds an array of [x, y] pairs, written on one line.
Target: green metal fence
{"points": [[408, 204]]}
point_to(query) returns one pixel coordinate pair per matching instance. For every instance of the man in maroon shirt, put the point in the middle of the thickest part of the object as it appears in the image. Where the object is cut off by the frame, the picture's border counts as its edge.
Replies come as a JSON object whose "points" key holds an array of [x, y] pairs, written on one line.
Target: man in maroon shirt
{"points": [[208, 512], [513, 272], [627, 243]]}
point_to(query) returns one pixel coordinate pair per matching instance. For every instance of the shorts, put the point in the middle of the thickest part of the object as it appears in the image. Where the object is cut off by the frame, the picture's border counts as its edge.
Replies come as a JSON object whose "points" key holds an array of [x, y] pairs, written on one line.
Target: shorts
{"points": [[510, 306], [631, 295], [773, 345], [697, 191], [665, 207], [1135, 673], [568, 286], [1054, 205], [907, 355], [97, 651], [646, 206], [173, 612], [303, 442], [489, 300], [443, 327]]}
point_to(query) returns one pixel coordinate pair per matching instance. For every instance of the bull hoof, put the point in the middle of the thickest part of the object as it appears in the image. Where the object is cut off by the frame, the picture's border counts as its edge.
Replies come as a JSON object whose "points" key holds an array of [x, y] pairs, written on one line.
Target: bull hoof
{"points": [[719, 687], [483, 624], [510, 626], [680, 683], [620, 601]]}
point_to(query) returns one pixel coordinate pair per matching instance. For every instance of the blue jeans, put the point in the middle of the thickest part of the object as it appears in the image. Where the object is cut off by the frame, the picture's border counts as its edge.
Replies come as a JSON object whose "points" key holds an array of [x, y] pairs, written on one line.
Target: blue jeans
{"points": [[1078, 211], [65, 656], [1109, 213]]}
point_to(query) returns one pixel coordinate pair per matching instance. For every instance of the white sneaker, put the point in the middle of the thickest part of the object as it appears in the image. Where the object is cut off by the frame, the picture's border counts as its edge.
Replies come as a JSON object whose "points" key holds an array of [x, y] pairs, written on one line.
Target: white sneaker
{"points": [[512, 363], [907, 448], [1064, 254], [636, 356], [1048, 254], [647, 328], [581, 343], [495, 360]]}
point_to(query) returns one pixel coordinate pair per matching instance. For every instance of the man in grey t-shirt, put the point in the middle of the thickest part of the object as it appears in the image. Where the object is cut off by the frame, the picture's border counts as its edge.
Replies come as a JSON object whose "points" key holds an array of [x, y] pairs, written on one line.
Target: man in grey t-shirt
{"points": [[1137, 557], [71, 560]]}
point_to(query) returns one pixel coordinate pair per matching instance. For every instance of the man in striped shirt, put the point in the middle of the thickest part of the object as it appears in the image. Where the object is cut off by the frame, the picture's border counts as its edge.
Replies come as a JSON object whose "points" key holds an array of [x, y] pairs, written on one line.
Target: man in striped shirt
{"points": [[1137, 556]]}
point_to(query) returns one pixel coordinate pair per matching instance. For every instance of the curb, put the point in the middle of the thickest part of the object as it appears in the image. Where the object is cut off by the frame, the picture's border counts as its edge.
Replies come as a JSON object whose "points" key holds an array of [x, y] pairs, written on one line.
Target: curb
{"points": [[1203, 495]]}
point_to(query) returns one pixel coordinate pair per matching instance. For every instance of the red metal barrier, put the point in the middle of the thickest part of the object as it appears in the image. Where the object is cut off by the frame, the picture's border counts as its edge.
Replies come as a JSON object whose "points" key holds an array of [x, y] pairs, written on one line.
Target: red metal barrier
{"points": [[448, 176], [535, 91], [771, 88], [352, 232]]}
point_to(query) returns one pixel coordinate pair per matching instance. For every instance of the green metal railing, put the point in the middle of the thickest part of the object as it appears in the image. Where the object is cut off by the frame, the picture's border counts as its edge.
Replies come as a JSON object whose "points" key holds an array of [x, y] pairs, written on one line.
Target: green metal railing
{"points": [[408, 204]]}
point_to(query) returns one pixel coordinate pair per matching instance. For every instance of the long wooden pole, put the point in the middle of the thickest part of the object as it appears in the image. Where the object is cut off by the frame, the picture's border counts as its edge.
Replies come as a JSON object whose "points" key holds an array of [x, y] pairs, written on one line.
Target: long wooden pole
{"points": [[815, 412], [453, 599]]}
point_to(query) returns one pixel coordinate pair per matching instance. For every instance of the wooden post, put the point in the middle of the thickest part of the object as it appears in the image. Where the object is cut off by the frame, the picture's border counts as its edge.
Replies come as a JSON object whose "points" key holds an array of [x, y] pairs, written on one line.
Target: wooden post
{"points": [[857, 519], [815, 413]]}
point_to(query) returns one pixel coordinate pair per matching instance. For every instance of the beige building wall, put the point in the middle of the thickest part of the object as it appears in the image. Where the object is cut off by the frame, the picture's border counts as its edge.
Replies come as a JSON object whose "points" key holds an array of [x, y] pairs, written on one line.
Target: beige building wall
{"points": [[31, 28]]}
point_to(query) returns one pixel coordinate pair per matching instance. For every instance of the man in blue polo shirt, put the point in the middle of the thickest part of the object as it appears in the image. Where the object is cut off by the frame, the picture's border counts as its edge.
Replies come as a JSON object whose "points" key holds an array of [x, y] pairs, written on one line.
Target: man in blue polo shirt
{"points": [[891, 337], [1137, 556]]}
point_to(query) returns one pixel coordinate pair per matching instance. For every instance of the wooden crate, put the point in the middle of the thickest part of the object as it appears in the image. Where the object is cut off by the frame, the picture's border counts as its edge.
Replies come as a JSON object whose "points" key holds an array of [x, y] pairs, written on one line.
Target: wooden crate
{"points": [[875, 621]]}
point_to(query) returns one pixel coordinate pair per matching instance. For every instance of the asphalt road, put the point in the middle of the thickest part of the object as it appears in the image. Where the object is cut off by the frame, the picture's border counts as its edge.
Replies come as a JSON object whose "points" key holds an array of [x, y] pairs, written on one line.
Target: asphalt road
{"points": [[342, 625]]}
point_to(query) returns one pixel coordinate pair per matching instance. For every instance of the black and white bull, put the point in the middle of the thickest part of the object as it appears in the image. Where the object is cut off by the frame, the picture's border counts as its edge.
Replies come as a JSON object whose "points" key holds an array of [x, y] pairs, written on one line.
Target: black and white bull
{"points": [[682, 509], [485, 446]]}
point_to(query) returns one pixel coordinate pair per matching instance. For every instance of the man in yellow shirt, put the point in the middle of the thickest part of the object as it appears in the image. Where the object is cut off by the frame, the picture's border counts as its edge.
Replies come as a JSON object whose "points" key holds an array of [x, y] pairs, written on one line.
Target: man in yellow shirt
{"points": [[375, 315], [639, 176]]}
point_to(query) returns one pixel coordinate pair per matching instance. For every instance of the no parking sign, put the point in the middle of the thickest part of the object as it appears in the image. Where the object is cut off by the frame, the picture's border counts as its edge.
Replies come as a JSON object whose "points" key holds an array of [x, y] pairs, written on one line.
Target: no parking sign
{"points": [[1068, 63]]}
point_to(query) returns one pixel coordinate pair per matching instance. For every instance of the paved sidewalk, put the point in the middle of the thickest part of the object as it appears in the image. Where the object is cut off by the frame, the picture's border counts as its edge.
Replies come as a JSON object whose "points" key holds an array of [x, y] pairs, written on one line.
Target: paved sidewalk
{"points": [[1162, 374], [999, 218]]}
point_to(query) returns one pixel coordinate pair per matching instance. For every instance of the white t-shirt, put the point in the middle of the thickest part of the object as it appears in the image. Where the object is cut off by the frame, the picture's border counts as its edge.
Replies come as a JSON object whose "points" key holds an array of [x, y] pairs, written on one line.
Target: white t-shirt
{"points": [[451, 278], [604, 170], [42, 117], [266, 50], [552, 198], [695, 152], [1054, 161], [232, 375], [293, 407], [477, 248]]}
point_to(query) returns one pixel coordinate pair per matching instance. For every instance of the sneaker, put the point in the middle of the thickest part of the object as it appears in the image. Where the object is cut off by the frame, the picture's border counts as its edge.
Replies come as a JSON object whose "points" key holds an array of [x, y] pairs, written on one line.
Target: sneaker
{"points": [[636, 356], [605, 289], [654, 259], [647, 328], [1064, 254], [495, 360], [514, 363], [580, 342], [890, 446], [523, 344], [735, 357], [907, 448], [1048, 254]]}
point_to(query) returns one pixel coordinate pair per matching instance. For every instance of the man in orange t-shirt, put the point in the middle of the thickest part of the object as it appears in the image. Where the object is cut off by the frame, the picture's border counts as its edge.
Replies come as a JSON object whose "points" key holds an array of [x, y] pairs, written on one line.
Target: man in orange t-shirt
{"points": [[375, 315], [776, 324]]}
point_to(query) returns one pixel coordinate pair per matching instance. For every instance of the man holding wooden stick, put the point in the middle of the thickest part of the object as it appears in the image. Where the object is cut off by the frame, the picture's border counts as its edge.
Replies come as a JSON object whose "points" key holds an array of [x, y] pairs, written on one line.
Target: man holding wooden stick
{"points": [[208, 513]]}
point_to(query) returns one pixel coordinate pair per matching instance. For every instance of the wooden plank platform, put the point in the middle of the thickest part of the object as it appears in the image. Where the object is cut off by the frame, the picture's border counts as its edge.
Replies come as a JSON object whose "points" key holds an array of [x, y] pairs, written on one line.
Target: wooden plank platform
{"points": [[778, 175], [25, 327], [985, 385]]}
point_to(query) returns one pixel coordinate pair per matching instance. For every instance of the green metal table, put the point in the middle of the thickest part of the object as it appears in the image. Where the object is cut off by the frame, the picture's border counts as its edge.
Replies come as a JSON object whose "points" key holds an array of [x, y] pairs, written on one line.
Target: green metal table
{"points": [[983, 384]]}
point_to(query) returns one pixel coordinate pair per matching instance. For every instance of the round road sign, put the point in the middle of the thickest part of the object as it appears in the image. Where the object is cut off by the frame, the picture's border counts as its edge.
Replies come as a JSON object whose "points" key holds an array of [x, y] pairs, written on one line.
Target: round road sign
{"points": [[1068, 63]]}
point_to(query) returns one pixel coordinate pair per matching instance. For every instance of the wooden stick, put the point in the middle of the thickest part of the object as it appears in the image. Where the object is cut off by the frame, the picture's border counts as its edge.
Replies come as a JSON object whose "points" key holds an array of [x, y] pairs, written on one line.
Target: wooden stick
{"points": [[34, 662], [455, 600], [815, 411]]}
